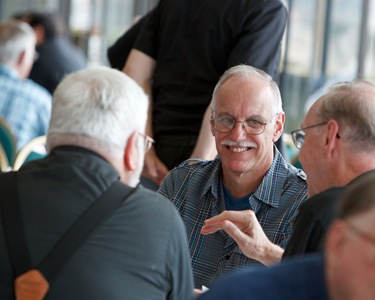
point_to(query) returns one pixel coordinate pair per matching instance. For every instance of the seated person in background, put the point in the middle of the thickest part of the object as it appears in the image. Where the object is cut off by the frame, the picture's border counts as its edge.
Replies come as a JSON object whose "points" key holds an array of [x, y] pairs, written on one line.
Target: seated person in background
{"points": [[345, 271], [337, 145], [58, 56], [25, 105], [96, 137], [249, 173]]}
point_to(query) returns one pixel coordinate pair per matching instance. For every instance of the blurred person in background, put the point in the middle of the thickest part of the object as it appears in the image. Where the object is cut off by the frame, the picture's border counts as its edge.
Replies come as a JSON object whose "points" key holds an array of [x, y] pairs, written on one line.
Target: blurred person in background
{"points": [[57, 55], [25, 105]]}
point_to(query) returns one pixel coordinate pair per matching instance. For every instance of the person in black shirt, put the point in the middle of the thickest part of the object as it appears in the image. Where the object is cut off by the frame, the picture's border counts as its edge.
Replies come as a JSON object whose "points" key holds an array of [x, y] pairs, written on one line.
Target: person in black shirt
{"points": [[183, 48]]}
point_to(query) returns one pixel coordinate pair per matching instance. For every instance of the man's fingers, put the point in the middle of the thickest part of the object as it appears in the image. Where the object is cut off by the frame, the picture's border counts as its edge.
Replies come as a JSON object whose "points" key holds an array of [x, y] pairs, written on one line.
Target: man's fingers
{"points": [[235, 233], [240, 218]]}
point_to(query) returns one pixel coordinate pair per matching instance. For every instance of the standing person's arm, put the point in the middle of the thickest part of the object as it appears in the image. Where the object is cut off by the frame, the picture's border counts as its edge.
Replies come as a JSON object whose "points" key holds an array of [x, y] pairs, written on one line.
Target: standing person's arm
{"points": [[140, 67], [205, 147]]}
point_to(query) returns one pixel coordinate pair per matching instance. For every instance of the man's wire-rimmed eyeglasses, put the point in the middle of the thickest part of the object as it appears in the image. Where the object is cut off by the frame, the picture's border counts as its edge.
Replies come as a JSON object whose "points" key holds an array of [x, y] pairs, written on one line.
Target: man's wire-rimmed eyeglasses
{"points": [[362, 234], [148, 141], [226, 124], [298, 135]]}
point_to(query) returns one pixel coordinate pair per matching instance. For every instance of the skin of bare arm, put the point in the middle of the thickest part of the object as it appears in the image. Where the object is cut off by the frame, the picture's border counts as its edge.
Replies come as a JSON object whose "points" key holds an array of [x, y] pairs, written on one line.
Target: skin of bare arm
{"points": [[140, 67]]}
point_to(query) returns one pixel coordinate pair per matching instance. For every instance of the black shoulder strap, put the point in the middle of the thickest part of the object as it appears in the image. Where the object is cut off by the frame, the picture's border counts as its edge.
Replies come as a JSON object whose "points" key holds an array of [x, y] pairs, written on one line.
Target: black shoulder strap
{"points": [[13, 224], [109, 201]]}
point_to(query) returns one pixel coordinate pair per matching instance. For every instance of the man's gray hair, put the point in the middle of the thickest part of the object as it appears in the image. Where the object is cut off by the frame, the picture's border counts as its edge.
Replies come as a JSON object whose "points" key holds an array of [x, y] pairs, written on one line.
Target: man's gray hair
{"points": [[246, 71], [352, 105], [100, 104], [15, 37]]}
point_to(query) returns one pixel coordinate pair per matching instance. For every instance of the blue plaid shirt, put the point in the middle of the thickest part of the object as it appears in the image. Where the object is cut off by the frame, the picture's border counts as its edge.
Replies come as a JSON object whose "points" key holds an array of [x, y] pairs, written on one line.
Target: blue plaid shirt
{"points": [[197, 192], [25, 106]]}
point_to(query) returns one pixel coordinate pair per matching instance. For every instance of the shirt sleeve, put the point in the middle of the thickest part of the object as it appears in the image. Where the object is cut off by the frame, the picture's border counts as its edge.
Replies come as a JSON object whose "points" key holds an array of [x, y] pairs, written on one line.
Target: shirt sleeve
{"points": [[260, 42], [147, 41]]}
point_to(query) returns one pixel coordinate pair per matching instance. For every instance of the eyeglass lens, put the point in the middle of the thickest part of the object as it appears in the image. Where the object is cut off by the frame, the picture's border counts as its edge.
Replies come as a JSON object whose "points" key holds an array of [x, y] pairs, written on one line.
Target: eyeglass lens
{"points": [[227, 124], [298, 138]]}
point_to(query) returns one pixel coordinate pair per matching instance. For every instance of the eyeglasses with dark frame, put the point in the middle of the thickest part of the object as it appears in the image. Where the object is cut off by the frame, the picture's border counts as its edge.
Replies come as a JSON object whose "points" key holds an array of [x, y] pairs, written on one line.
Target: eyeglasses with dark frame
{"points": [[226, 124], [362, 234], [298, 135], [148, 141]]}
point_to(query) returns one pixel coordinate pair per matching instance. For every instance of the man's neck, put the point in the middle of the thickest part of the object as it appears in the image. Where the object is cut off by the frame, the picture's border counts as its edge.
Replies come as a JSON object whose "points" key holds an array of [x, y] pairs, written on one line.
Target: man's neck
{"points": [[241, 185]]}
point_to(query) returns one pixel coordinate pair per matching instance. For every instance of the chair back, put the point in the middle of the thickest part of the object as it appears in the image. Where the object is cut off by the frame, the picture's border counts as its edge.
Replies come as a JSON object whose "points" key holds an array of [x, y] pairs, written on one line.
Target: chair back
{"points": [[35, 149], [4, 164], [7, 140]]}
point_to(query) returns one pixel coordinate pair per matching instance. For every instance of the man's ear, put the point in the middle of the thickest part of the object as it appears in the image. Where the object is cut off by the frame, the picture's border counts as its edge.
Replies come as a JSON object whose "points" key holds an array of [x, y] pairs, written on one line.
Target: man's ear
{"points": [[131, 153], [212, 126], [279, 126], [332, 136], [21, 58], [23, 66]]}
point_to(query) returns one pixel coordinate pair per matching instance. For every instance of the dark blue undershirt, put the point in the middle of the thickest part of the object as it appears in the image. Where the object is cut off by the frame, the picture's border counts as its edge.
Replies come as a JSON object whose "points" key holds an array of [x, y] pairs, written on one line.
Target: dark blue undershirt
{"points": [[232, 203]]}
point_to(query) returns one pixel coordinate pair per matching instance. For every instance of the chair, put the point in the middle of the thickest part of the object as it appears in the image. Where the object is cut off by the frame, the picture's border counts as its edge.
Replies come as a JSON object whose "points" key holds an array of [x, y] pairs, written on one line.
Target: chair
{"points": [[4, 164], [35, 149], [7, 141]]}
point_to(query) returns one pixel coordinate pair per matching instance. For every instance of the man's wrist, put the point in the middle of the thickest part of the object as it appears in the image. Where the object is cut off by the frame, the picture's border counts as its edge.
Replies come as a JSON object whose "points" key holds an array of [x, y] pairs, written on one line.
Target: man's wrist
{"points": [[273, 255]]}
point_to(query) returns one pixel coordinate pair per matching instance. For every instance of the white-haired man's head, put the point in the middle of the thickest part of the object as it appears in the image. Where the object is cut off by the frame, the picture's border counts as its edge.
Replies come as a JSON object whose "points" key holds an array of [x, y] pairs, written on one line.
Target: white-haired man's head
{"points": [[17, 46], [98, 108]]}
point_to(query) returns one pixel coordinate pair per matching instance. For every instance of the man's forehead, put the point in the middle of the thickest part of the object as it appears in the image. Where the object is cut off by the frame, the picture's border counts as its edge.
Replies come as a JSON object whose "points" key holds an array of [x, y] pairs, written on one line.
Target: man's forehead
{"points": [[311, 114]]}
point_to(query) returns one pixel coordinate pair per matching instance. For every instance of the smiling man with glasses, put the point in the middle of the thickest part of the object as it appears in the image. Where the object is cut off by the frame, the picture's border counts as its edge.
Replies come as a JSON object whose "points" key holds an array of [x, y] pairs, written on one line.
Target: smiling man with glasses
{"points": [[248, 174], [337, 143]]}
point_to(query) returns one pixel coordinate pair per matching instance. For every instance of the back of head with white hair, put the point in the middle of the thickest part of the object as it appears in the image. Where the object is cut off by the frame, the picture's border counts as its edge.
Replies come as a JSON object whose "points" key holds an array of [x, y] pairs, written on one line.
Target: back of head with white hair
{"points": [[100, 105], [15, 37]]}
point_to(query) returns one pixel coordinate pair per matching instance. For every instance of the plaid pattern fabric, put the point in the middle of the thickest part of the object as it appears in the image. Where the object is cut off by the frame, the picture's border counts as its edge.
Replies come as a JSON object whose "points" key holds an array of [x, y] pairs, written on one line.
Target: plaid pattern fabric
{"points": [[25, 106], [197, 192]]}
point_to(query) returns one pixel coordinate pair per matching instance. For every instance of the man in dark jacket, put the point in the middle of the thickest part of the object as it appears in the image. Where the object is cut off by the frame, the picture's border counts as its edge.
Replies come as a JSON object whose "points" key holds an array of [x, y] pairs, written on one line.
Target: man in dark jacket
{"points": [[95, 139]]}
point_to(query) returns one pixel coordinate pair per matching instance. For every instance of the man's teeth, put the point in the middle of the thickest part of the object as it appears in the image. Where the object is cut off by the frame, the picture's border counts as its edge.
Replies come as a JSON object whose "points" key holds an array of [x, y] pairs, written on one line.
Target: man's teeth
{"points": [[238, 149]]}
